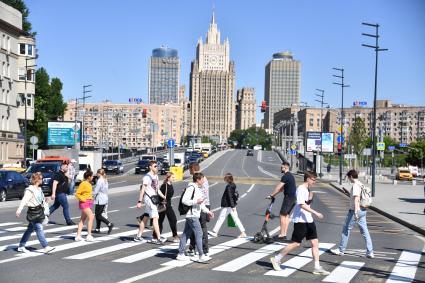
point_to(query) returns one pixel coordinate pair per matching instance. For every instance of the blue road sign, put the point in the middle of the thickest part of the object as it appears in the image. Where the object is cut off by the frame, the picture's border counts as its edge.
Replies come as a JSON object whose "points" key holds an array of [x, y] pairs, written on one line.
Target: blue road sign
{"points": [[171, 143], [391, 147], [340, 139], [293, 152], [403, 145]]}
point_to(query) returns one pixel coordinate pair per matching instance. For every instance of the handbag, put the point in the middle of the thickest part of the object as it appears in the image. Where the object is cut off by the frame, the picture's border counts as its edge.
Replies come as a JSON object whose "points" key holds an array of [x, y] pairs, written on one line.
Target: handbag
{"points": [[230, 221], [35, 214], [163, 205]]}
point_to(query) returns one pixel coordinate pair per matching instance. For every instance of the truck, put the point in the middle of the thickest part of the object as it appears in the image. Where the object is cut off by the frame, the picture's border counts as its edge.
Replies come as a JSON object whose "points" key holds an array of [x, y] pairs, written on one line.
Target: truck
{"points": [[88, 160]]}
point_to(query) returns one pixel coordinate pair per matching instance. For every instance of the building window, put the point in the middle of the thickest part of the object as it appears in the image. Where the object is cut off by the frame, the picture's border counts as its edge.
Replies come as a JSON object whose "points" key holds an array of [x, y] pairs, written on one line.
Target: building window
{"points": [[21, 74], [22, 49]]}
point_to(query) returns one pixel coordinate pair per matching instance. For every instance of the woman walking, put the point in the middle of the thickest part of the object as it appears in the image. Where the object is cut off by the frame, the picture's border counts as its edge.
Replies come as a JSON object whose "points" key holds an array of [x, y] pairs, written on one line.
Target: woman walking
{"points": [[166, 192], [33, 199], [228, 204], [101, 200], [84, 195]]}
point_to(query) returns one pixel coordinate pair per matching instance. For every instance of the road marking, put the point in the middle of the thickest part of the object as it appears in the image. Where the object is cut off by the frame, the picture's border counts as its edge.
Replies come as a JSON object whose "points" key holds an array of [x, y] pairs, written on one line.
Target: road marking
{"points": [[297, 262], [15, 229], [244, 195], [344, 272], [9, 223], [59, 229], [243, 162], [145, 275], [405, 268], [109, 211], [259, 155], [250, 188], [249, 258], [147, 254], [267, 172], [119, 182], [225, 164]]}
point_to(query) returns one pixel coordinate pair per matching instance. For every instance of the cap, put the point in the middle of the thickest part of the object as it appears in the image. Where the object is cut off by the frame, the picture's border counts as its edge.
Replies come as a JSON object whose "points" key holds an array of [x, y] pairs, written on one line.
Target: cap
{"points": [[73, 160]]}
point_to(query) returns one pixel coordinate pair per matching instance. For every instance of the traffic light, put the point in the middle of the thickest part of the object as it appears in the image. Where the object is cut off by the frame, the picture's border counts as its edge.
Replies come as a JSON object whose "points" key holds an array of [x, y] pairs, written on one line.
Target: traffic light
{"points": [[263, 106], [144, 113], [339, 148]]}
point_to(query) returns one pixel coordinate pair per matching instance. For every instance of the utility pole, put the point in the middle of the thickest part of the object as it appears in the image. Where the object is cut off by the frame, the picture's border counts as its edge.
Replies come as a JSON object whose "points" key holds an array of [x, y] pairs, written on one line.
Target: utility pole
{"points": [[377, 50], [321, 96], [84, 104], [26, 101], [341, 142]]}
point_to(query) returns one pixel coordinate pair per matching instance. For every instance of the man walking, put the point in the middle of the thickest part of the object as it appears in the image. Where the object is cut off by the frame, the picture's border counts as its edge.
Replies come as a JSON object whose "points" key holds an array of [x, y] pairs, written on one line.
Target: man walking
{"points": [[356, 214], [288, 186], [60, 189], [304, 226], [193, 198]]}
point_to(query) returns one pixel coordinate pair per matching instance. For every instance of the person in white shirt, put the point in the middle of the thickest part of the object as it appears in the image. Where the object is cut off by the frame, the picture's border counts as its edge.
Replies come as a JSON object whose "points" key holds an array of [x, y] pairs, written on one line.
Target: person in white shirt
{"points": [[193, 197], [304, 226], [149, 196], [356, 214]]}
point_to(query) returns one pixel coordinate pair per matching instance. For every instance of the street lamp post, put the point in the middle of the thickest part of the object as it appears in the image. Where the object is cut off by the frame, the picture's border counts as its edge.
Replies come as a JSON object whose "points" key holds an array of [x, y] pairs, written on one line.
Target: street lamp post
{"points": [[341, 142], [321, 96], [377, 50], [26, 101], [84, 104]]}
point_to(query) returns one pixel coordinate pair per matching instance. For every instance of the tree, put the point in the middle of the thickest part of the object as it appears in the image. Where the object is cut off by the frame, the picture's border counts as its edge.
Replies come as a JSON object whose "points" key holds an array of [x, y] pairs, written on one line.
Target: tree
{"points": [[21, 7], [416, 152], [48, 106], [251, 137], [358, 137]]}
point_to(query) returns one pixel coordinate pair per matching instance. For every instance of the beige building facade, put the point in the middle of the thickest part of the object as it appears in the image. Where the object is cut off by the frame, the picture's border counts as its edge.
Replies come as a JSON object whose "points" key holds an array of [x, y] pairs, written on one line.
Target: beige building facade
{"points": [[107, 124], [17, 88], [212, 84], [246, 108]]}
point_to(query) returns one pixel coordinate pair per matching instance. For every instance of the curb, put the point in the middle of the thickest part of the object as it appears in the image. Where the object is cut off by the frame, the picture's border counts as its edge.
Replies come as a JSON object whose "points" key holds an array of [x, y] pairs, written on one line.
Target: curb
{"points": [[386, 214]]}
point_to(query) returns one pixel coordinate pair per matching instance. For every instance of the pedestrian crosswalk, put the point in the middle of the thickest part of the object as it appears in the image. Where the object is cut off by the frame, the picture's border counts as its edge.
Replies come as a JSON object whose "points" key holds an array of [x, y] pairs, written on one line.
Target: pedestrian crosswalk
{"points": [[228, 255]]}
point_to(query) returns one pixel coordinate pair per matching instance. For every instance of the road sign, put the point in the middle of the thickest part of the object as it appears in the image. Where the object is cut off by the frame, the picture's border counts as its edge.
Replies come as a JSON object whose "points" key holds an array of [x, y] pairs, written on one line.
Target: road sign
{"points": [[380, 145], [350, 156], [33, 140], [403, 145], [294, 147], [34, 146], [391, 147], [340, 139], [171, 143], [367, 151], [293, 152]]}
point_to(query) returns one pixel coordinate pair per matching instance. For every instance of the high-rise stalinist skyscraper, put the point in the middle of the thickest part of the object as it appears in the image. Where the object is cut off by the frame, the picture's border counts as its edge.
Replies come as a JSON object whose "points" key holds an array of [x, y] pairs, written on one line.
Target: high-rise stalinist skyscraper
{"points": [[212, 84]]}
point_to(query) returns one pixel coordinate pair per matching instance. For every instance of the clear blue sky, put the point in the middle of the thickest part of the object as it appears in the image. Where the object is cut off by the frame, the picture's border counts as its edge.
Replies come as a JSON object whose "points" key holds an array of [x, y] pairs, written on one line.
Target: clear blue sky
{"points": [[108, 44]]}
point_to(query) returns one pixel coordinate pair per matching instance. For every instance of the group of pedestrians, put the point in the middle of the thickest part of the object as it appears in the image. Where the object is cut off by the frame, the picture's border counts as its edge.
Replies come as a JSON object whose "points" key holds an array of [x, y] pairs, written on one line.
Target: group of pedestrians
{"points": [[38, 209], [195, 206]]}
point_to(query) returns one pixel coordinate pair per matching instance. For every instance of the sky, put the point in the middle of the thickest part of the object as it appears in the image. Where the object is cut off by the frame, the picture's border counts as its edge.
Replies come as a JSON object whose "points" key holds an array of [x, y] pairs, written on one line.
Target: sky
{"points": [[107, 44]]}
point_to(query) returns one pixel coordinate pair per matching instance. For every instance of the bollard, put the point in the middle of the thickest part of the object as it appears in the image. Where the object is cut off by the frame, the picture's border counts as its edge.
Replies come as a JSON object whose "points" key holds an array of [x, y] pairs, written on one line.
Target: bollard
{"points": [[414, 182], [394, 182]]}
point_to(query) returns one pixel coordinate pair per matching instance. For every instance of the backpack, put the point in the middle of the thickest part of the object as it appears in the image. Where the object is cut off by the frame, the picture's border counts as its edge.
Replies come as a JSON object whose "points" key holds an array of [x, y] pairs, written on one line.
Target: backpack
{"points": [[184, 209], [365, 196]]}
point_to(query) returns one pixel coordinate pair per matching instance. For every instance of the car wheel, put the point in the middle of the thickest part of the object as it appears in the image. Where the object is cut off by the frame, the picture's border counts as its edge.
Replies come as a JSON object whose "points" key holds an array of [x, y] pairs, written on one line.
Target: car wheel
{"points": [[3, 195]]}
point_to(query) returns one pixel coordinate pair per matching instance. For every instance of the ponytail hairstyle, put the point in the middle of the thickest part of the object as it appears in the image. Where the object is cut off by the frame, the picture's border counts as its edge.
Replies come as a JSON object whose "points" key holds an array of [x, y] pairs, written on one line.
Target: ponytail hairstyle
{"points": [[167, 177], [102, 173]]}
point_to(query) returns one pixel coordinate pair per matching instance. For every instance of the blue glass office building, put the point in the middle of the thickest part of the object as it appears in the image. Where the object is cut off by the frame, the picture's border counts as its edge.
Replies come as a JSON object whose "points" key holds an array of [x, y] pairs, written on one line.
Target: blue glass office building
{"points": [[164, 75]]}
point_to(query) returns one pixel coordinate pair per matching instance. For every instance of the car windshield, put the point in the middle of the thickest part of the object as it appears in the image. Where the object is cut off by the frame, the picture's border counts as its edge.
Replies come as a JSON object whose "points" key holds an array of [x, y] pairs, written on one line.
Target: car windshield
{"points": [[43, 168], [3, 175], [142, 162], [83, 167], [404, 171], [147, 157], [110, 162]]}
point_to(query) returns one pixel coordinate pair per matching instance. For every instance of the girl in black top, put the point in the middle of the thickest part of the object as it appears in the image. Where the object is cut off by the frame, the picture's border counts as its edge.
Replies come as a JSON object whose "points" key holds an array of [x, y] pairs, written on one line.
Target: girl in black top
{"points": [[166, 192], [228, 204]]}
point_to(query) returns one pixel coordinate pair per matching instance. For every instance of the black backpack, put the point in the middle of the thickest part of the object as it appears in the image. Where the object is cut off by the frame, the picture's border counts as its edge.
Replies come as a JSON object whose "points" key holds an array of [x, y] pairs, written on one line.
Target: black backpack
{"points": [[184, 209]]}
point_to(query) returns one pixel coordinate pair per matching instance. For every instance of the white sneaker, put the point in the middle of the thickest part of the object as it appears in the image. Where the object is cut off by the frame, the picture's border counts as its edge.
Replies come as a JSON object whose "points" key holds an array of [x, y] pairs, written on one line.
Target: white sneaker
{"points": [[89, 238], [212, 234], [336, 252], [48, 249], [370, 255], [78, 239], [182, 257], [200, 259], [275, 263], [23, 250], [162, 239], [320, 271], [139, 239]]}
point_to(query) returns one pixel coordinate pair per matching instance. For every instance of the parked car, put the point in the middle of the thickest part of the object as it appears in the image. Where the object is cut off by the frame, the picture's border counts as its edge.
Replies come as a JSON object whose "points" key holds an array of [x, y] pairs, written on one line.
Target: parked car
{"points": [[12, 185], [142, 166], [403, 174], [114, 166], [47, 169], [165, 167], [414, 170], [249, 152]]}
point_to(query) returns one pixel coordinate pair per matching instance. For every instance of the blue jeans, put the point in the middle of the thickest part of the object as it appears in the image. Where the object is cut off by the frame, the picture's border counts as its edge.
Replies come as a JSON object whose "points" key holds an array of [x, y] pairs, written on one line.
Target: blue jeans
{"points": [[349, 223], [38, 227], [192, 225], [61, 200]]}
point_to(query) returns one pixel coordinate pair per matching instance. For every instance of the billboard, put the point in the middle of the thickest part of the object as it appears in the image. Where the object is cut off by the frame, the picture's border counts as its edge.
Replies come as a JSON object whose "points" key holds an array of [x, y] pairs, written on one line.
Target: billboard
{"points": [[62, 133], [314, 141], [327, 142], [317, 141]]}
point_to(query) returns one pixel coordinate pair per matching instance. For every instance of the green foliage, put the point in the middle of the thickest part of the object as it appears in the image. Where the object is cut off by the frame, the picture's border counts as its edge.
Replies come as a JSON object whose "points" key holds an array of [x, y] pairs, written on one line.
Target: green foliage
{"points": [[21, 7], [358, 137], [251, 137], [49, 105], [205, 139], [416, 153]]}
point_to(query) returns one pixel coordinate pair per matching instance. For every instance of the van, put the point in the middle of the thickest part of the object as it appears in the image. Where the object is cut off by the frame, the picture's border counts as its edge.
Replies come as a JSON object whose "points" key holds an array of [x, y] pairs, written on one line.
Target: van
{"points": [[414, 170]]}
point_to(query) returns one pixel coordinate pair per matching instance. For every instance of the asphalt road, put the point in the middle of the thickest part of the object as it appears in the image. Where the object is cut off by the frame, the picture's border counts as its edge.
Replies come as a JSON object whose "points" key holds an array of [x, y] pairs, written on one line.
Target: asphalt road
{"points": [[116, 258]]}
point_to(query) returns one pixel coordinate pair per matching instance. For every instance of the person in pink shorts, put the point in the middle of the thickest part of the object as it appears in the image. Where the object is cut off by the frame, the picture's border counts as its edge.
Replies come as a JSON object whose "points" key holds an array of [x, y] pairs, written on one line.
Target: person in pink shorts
{"points": [[84, 194]]}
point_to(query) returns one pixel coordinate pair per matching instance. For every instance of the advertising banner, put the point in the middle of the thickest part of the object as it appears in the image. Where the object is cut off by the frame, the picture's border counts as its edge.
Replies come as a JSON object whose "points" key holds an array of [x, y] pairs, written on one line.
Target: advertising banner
{"points": [[327, 142], [62, 133], [314, 141]]}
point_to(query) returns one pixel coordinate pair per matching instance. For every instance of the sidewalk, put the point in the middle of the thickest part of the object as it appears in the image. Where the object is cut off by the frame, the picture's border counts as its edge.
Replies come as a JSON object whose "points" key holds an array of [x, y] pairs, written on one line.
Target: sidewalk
{"points": [[402, 203]]}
